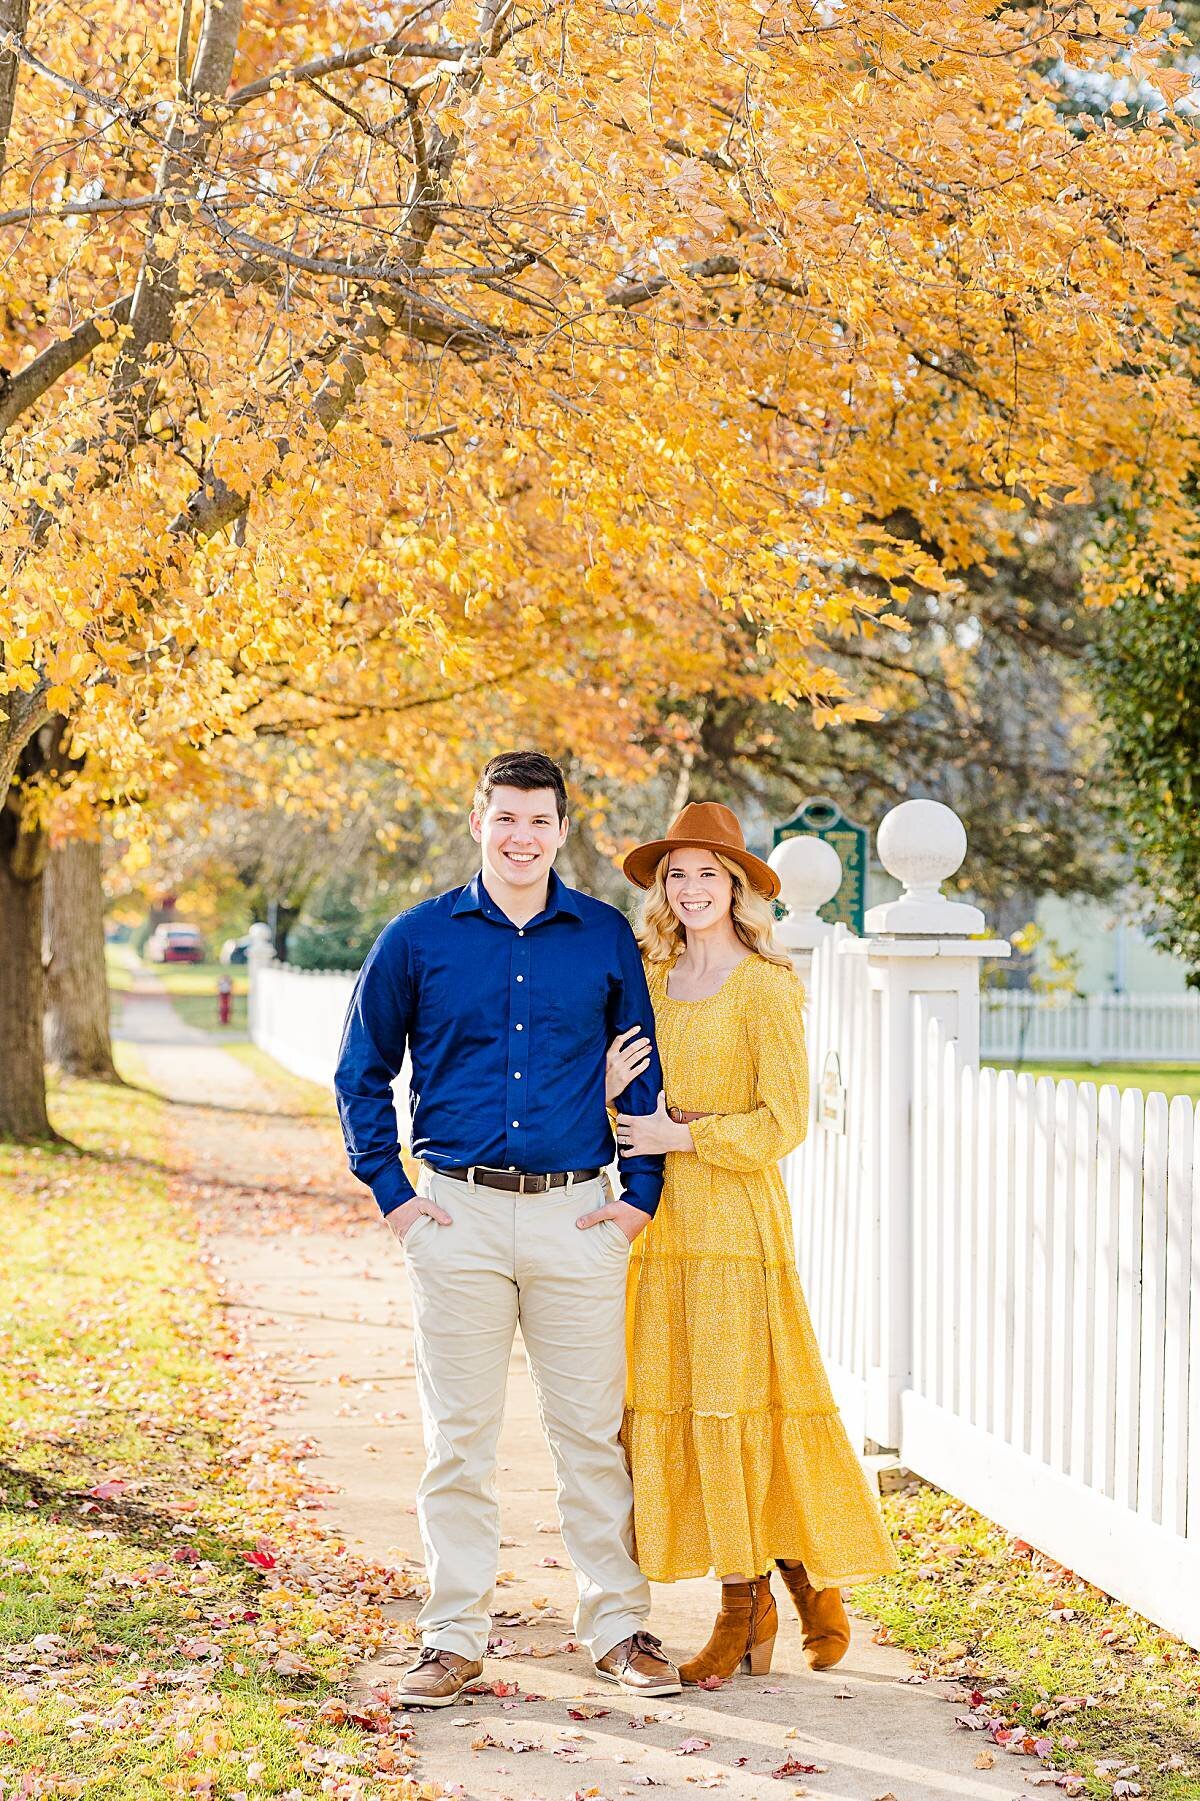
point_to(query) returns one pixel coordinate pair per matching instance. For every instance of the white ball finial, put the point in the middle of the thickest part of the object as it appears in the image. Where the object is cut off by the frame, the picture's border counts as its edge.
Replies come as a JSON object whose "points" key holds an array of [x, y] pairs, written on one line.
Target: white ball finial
{"points": [[922, 843], [810, 873], [260, 949]]}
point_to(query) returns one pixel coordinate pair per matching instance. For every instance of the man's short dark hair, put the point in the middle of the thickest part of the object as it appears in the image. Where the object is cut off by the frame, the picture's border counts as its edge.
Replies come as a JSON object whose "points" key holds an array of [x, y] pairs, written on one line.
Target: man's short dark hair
{"points": [[527, 769]]}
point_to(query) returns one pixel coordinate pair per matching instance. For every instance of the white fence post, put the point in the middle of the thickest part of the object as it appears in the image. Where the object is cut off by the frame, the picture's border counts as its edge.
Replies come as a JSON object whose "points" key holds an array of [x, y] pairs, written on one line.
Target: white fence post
{"points": [[923, 954], [259, 953], [810, 873]]}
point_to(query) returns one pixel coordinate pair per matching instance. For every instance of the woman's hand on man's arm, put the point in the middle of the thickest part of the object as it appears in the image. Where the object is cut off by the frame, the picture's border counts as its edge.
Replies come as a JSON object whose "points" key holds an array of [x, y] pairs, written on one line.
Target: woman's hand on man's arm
{"points": [[652, 1134], [628, 1056]]}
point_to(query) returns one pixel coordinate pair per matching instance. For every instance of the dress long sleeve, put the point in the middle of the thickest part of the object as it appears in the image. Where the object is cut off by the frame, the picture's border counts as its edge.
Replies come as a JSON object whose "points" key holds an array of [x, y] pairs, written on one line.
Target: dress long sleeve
{"points": [[774, 1025]]}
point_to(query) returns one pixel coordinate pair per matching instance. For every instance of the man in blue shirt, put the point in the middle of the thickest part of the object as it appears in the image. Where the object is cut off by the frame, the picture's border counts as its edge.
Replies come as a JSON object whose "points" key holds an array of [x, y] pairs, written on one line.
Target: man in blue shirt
{"points": [[506, 995]]}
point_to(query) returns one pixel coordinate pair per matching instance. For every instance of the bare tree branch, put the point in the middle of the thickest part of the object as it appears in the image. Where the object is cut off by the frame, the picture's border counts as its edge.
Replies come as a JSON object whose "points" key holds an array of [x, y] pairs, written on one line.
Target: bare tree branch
{"points": [[388, 49], [18, 392]]}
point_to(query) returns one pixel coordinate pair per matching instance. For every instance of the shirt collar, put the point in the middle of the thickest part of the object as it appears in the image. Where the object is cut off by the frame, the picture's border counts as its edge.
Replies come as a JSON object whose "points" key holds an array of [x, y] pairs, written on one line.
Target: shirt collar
{"points": [[476, 899]]}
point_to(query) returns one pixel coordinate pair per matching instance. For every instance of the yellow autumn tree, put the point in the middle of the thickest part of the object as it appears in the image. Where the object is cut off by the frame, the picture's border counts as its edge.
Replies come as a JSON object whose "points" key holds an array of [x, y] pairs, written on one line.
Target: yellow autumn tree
{"points": [[731, 304]]}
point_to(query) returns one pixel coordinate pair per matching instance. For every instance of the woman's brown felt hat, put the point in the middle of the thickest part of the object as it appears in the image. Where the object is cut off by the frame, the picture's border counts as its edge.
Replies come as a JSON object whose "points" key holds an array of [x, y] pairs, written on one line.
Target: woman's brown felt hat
{"points": [[704, 825]]}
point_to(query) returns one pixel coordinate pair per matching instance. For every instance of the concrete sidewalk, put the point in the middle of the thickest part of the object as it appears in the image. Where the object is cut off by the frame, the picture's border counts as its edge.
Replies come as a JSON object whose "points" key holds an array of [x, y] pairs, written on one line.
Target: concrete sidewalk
{"points": [[311, 1271]]}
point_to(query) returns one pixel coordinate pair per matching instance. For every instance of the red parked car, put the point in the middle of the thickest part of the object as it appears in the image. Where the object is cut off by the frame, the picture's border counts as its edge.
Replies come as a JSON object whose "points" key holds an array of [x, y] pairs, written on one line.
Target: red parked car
{"points": [[174, 944]]}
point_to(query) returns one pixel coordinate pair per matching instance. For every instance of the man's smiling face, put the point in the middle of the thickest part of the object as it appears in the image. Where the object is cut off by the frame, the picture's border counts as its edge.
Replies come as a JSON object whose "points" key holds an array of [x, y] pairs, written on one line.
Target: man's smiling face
{"points": [[520, 834]]}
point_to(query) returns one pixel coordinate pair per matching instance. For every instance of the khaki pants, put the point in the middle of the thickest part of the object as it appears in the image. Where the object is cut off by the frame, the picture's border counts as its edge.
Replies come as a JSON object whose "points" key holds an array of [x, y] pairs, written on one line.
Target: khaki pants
{"points": [[509, 1258]]}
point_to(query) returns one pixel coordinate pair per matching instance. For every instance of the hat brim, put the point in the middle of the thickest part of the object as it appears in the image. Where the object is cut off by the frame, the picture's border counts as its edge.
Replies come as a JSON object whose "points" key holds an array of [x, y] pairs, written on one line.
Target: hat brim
{"points": [[641, 862]]}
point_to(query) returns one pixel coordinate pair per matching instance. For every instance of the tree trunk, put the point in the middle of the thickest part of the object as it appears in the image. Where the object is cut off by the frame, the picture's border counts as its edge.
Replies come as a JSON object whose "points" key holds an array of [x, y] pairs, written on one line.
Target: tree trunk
{"points": [[77, 1035], [23, 1113]]}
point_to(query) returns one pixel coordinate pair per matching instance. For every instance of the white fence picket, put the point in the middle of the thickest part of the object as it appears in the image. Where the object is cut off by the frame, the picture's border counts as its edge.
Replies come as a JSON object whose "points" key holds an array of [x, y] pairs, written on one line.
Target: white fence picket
{"points": [[1193, 1344], [1154, 1274], [1104, 1292], [1176, 1310], [1081, 1201], [1129, 1297], [1061, 1227]]}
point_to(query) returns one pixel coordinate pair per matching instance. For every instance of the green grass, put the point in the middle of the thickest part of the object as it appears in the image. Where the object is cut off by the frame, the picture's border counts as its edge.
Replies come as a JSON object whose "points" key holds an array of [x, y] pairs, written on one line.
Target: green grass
{"points": [[975, 1604], [1161, 1078], [141, 1656]]}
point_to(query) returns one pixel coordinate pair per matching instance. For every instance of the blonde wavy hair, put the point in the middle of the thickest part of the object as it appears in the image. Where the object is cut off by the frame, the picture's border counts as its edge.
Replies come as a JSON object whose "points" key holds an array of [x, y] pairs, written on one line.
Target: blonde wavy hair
{"points": [[660, 931]]}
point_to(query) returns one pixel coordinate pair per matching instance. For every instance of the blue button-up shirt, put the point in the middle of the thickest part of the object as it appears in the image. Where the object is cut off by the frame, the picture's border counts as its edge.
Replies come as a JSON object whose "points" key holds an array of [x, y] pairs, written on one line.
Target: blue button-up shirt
{"points": [[507, 1027]]}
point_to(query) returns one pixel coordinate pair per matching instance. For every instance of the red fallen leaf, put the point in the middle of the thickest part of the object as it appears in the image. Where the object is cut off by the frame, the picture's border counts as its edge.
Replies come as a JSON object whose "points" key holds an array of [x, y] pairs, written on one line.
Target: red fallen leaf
{"points": [[711, 1682], [185, 1554], [262, 1560], [976, 1697], [550, 1563], [108, 1491], [371, 1719], [588, 1713], [688, 1745], [794, 1767]]}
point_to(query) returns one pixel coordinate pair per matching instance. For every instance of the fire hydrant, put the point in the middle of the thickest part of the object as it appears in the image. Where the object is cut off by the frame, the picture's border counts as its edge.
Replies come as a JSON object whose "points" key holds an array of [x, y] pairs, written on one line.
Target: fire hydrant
{"points": [[225, 999]]}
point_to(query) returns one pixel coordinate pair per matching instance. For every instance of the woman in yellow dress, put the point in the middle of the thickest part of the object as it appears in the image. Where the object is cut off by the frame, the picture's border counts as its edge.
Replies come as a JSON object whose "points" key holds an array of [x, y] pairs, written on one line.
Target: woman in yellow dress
{"points": [[739, 1457]]}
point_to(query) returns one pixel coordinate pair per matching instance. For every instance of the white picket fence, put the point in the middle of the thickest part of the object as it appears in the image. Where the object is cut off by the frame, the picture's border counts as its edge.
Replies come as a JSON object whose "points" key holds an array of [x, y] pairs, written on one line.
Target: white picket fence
{"points": [[296, 1016], [1056, 1312], [1004, 1275], [1098, 1029]]}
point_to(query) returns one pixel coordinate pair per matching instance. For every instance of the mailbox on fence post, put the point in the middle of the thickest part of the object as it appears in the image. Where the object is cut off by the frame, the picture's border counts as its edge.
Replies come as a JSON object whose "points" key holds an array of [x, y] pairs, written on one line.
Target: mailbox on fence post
{"points": [[824, 819]]}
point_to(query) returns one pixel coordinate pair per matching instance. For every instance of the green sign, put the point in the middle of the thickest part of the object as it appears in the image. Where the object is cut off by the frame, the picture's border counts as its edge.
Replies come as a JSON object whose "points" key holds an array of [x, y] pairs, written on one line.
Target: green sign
{"points": [[825, 819]]}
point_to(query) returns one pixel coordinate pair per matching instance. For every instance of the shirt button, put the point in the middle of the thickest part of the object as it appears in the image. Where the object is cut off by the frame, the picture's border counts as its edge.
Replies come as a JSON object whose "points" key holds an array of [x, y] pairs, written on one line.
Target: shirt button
{"points": [[516, 1075], [520, 978], [520, 931], [516, 1122], [520, 1028]]}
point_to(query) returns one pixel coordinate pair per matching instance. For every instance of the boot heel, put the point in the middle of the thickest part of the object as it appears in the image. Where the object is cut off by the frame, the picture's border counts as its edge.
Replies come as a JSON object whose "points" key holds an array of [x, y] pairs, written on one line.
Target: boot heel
{"points": [[757, 1660]]}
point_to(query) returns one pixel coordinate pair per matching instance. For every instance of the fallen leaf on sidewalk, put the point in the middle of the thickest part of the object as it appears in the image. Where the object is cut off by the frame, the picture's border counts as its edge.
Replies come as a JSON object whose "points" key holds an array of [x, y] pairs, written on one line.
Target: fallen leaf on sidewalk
{"points": [[566, 1648], [984, 1761], [588, 1713], [502, 1647], [711, 1683], [549, 1563], [795, 1766], [689, 1745]]}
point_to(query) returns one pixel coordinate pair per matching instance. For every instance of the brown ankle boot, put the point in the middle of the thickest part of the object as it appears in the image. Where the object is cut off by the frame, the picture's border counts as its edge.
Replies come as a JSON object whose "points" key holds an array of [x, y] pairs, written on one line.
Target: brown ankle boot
{"points": [[744, 1633], [822, 1616]]}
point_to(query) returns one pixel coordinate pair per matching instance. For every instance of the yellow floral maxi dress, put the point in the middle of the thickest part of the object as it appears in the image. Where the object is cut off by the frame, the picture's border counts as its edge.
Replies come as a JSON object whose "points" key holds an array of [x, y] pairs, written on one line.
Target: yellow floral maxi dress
{"points": [[738, 1454]]}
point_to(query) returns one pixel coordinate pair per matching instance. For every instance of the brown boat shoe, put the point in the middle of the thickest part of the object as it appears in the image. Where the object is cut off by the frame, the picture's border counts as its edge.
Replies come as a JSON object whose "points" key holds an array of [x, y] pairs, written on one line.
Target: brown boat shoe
{"points": [[436, 1679], [638, 1665]]}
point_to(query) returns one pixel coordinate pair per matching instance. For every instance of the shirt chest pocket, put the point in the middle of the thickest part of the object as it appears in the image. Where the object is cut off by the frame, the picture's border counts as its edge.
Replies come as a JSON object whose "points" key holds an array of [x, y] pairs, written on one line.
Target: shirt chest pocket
{"points": [[575, 1008]]}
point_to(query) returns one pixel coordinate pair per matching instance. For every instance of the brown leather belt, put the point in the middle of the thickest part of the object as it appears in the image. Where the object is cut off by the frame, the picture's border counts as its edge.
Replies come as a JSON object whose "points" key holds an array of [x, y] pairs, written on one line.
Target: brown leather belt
{"points": [[518, 1181], [682, 1117]]}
